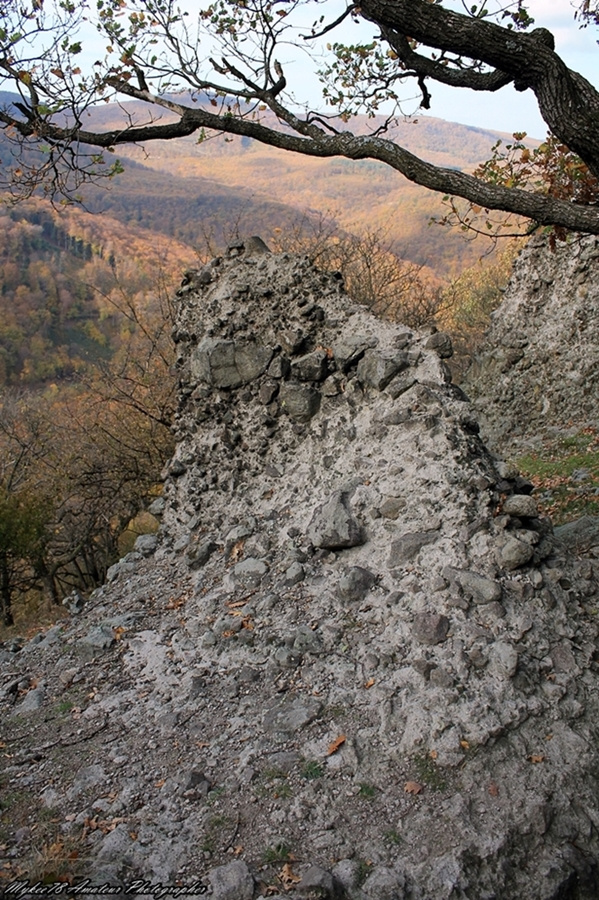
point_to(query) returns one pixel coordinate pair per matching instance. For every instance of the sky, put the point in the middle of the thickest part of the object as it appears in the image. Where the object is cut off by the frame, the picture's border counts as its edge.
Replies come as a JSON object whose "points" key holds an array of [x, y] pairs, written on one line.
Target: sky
{"points": [[509, 110], [506, 111]]}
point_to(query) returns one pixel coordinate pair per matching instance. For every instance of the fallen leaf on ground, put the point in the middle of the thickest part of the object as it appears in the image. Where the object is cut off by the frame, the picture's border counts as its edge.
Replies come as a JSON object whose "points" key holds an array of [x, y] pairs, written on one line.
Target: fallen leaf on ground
{"points": [[334, 746], [493, 789], [369, 683], [412, 787], [288, 876], [433, 754], [536, 758], [237, 550]]}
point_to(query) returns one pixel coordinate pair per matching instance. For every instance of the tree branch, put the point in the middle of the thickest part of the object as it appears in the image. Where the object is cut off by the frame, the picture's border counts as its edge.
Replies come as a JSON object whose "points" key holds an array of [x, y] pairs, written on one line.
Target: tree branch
{"points": [[568, 103], [540, 208], [476, 81]]}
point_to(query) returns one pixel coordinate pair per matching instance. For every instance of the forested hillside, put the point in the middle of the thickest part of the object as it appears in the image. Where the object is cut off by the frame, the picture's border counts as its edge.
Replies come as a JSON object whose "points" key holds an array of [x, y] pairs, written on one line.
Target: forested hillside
{"points": [[61, 277], [230, 180]]}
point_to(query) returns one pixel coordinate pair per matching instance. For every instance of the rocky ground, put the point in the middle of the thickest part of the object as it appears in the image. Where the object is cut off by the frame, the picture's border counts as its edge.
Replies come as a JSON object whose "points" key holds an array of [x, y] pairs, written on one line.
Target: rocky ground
{"points": [[354, 663]]}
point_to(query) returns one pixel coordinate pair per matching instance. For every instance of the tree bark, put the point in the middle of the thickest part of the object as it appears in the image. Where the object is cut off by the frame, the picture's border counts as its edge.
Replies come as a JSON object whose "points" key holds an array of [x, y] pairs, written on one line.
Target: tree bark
{"points": [[568, 102]]}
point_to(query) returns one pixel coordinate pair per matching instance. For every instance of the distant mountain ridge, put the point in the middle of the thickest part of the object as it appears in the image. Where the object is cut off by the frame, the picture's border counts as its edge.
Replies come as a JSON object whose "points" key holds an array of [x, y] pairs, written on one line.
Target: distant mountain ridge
{"points": [[217, 187]]}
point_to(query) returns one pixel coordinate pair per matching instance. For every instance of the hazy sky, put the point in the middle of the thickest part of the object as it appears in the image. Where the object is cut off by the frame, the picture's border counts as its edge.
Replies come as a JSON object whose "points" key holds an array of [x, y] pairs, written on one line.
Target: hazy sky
{"points": [[509, 110], [506, 110]]}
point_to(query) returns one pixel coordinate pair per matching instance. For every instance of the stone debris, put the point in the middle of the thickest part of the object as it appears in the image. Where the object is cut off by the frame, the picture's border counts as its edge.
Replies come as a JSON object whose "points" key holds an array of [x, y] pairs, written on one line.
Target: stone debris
{"points": [[357, 664]]}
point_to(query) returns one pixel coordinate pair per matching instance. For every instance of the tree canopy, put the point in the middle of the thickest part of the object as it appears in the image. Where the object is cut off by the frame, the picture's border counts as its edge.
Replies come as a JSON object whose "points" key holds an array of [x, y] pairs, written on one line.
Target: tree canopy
{"points": [[218, 69]]}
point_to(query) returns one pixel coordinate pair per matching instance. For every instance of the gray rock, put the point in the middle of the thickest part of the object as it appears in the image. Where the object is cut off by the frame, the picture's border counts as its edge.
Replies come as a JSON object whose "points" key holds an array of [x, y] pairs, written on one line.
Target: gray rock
{"points": [[255, 246], [377, 368], [87, 777], [214, 363], [250, 571], [515, 553], [440, 342], [182, 543], [400, 385], [521, 505], [355, 584], [391, 507], [581, 536], [384, 884], [34, 699], [503, 659], [268, 391], [156, 508], [177, 468], [306, 640], [226, 364], [199, 554], [146, 544], [347, 873], [290, 715], [312, 367], [299, 401], [333, 526], [101, 637], [279, 367], [350, 349], [321, 882], [251, 360], [477, 587], [407, 547], [430, 627], [74, 602], [294, 574]]}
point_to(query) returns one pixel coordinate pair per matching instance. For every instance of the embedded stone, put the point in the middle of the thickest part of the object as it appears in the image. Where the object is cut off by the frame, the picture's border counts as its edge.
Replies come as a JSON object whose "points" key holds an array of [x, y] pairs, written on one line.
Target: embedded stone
{"points": [[351, 349], [299, 401], [477, 587], [503, 659], [440, 342], [268, 391], [400, 385], [407, 547], [146, 544], [279, 367], [252, 360], [312, 367], [291, 715], [199, 554], [377, 368], [355, 584], [214, 363], [430, 628], [333, 526], [515, 553], [522, 506], [250, 571], [391, 507], [231, 882]]}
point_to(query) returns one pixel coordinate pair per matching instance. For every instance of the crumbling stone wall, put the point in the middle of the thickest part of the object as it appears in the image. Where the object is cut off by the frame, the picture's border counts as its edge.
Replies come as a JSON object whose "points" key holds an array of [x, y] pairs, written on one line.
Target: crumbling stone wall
{"points": [[354, 641], [539, 367]]}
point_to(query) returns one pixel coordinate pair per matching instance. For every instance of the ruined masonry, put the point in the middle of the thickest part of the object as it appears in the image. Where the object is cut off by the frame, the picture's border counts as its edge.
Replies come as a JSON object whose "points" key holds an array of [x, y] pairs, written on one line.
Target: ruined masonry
{"points": [[356, 663]]}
